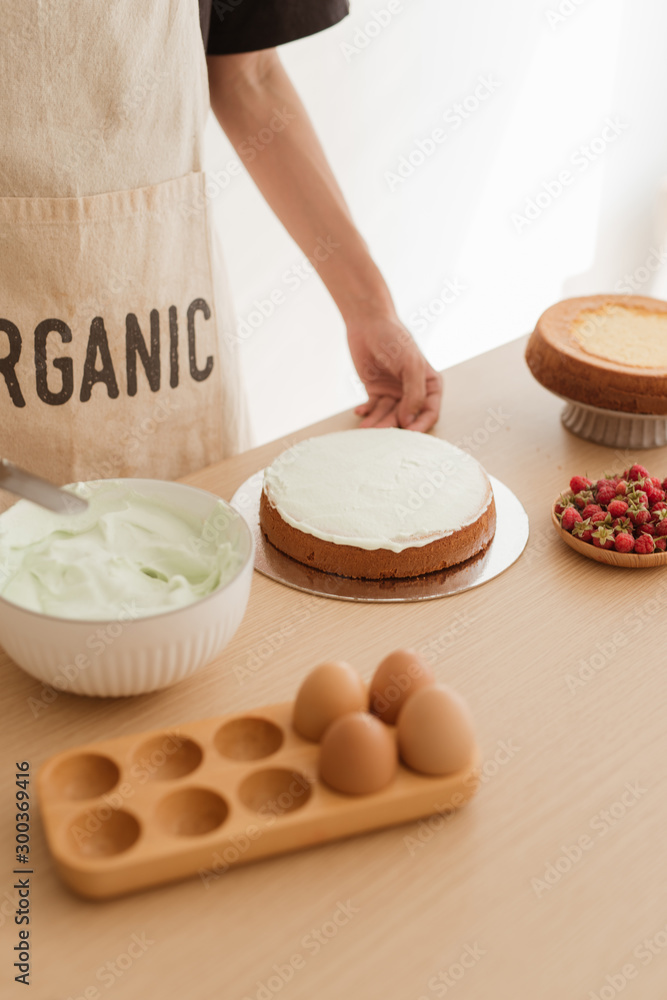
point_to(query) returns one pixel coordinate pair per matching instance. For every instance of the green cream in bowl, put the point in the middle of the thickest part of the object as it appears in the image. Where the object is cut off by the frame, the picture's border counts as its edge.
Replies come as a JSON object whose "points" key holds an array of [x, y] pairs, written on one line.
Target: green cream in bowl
{"points": [[136, 593], [126, 546]]}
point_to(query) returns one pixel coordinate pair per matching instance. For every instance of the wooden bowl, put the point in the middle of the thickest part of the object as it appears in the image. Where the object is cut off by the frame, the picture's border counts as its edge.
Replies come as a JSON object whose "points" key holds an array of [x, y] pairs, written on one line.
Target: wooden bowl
{"points": [[628, 560]]}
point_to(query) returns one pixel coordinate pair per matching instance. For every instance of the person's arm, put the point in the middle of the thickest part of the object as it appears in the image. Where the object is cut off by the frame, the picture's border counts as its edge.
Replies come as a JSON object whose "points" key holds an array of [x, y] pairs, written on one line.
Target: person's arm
{"points": [[292, 173]]}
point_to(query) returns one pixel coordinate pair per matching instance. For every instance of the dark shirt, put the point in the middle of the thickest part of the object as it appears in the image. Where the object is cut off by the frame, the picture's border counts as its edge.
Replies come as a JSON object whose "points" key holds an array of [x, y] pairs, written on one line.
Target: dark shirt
{"points": [[230, 26]]}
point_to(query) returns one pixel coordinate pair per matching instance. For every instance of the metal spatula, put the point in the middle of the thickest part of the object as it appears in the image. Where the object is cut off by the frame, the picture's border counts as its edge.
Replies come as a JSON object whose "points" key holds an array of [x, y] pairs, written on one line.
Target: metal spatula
{"points": [[40, 491]]}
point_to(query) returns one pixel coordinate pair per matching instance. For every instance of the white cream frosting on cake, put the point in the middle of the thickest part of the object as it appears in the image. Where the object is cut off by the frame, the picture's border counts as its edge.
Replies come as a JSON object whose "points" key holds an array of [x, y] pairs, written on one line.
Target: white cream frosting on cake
{"points": [[377, 488]]}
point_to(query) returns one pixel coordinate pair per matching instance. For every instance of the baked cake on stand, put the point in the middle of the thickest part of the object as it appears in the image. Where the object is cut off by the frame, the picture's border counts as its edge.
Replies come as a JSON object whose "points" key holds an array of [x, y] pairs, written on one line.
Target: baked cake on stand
{"points": [[606, 356]]}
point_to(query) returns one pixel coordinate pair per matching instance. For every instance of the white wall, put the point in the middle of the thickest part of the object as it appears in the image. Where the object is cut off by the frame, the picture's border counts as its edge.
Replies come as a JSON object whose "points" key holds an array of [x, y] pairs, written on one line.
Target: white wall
{"points": [[556, 72]]}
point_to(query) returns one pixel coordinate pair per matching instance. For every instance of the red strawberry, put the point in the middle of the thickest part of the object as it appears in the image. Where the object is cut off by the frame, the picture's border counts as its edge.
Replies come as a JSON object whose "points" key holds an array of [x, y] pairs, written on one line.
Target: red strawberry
{"points": [[644, 545], [583, 530], [622, 524], [661, 528], [660, 544], [647, 529], [658, 511], [583, 498], [637, 472], [652, 481], [605, 494], [617, 508], [590, 509], [654, 496], [639, 497], [562, 503], [570, 518], [603, 537], [639, 516], [621, 487], [601, 518], [579, 483], [624, 542]]}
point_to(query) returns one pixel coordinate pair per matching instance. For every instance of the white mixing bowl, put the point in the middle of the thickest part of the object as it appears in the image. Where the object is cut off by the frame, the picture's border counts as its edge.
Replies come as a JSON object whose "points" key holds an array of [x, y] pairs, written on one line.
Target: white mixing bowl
{"points": [[134, 655]]}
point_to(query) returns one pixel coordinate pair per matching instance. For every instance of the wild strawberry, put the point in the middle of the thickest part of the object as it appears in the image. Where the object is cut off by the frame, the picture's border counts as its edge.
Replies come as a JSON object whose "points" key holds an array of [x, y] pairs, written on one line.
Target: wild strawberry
{"points": [[621, 487], [660, 544], [605, 494], [661, 528], [637, 472], [617, 508], [623, 524], [663, 485], [637, 497], [590, 509], [658, 510], [639, 516], [579, 483], [652, 481], [624, 542], [644, 545], [655, 496], [563, 502], [647, 529], [569, 518], [603, 537], [583, 530], [583, 498], [601, 518]]}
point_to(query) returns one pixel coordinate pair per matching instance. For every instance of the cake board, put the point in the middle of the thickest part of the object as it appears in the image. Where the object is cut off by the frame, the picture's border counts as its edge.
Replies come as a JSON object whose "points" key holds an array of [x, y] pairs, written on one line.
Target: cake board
{"points": [[510, 539]]}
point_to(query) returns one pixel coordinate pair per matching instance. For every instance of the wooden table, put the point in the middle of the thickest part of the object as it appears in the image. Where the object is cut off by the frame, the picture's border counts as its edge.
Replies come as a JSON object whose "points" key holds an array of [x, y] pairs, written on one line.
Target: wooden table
{"points": [[549, 885]]}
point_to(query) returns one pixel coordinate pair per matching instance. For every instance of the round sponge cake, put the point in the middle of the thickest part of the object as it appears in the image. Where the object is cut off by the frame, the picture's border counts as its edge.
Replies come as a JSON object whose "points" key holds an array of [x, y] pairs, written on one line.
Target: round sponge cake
{"points": [[608, 351], [377, 503]]}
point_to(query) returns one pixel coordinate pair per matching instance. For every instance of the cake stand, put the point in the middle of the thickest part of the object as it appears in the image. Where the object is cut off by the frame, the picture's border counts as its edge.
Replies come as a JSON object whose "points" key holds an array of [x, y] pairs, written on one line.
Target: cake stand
{"points": [[613, 428]]}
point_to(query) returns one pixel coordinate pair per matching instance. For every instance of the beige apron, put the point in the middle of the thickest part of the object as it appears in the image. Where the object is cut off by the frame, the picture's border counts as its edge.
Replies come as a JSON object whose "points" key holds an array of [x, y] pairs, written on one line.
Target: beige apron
{"points": [[117, 347]]}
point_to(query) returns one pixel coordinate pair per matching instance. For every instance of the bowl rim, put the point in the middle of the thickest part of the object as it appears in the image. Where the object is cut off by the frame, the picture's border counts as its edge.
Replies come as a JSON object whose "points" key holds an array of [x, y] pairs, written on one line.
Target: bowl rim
{"points": [[42, 615]]}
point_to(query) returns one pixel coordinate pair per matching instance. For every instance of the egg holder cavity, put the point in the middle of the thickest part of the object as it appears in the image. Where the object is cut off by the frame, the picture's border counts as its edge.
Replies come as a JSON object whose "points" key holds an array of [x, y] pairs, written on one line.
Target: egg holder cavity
{"points": [[136, 811]]}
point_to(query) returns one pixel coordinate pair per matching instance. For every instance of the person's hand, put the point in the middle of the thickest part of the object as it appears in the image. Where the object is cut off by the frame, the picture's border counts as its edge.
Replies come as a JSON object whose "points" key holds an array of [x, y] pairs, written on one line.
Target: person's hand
{"points": [[403, 390]]}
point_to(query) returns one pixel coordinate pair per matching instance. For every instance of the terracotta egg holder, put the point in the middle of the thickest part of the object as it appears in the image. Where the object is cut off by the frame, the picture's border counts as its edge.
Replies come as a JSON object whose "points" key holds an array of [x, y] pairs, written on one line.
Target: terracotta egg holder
{"points": [[628, 560], [136, 811]]}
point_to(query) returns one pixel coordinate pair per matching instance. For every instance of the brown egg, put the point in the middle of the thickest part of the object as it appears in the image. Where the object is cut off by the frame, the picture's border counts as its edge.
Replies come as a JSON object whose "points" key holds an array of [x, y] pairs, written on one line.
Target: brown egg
{"points": [[435, 731], [358, 754], [400, 674], [330, 690]]}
